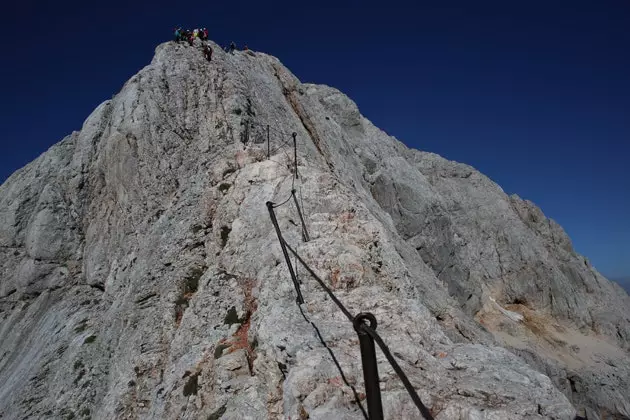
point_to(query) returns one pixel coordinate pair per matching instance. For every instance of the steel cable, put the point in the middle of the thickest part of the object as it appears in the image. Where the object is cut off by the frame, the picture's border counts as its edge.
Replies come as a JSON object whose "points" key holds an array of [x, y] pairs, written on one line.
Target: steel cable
{"points": [[426, 413], [390, 358], [275, 206], [321, 283], [375, 336], [336, 362]]}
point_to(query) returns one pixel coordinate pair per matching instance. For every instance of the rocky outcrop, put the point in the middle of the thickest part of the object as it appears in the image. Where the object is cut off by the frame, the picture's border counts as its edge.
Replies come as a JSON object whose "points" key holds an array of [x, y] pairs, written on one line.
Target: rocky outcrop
{"points": [[141, 276]]}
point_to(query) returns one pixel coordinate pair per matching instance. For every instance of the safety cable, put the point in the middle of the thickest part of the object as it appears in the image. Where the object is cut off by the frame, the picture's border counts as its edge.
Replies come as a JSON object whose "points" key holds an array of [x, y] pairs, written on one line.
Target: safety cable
{"points": [[294, 273], [375, 336], [287, 156], [276, 162], [390, 358], [281, 132], [321, 283], [280, 147], [271, 127], [363, 327], [359, 325], [336, 362], [302, 202], [284, 144], [275, 206], [305, 235]]}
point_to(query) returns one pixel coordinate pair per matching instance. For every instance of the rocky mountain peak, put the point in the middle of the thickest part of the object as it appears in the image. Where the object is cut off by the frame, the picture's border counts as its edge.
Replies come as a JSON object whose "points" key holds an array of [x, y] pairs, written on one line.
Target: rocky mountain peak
{"points": [[142, 276]]}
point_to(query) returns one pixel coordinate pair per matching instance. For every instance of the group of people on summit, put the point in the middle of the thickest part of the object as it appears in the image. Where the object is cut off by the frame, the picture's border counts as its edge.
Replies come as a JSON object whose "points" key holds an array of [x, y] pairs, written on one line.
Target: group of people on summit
{"points": [[189, 36]]}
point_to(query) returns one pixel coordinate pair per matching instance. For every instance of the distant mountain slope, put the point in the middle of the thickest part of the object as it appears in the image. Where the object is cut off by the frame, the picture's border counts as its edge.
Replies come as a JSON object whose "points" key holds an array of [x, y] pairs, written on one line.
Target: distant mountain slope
{"points": [[623, 282]]}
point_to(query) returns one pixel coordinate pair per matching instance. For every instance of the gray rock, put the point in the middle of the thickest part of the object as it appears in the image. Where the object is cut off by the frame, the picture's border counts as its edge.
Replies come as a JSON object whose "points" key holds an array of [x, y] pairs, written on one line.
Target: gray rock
{"points": [[141, 276]]}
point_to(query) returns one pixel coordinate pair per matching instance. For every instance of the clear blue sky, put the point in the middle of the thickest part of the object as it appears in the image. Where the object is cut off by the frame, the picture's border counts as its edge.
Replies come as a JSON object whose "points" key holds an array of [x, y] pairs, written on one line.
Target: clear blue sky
{"points": [[536, 95]]}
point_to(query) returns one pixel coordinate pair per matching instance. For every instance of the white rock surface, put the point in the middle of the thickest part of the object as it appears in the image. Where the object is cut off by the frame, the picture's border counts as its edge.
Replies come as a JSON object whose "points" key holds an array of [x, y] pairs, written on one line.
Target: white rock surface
{"points": [[141, 276]]}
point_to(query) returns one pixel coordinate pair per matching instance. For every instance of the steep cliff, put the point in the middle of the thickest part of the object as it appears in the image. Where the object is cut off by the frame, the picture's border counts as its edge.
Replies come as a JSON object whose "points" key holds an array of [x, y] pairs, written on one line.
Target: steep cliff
{"points": [[141, 276]]}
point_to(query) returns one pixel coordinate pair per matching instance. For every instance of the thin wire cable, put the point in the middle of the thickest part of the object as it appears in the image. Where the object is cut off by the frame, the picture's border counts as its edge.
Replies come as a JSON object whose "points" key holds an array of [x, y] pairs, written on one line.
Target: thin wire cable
{"points": [[410, 389], [284, 144], [271, 127], [302, 202], [336, 362], [287, 156], [390, 358], [276, 162], [373, 334], [298, 210], [321, 283], [281, 146], [283, 150], [294, 209], [275, 206]]}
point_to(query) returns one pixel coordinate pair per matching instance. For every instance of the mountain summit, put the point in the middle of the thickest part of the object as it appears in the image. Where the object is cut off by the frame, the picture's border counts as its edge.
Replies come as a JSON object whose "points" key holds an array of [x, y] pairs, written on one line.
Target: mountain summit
{"points": [[142, 276]]}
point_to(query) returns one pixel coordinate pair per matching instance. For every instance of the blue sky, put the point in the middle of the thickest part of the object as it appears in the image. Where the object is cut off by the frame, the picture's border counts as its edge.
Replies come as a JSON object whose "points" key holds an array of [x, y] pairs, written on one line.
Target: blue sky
{"points": [[535, 95]]}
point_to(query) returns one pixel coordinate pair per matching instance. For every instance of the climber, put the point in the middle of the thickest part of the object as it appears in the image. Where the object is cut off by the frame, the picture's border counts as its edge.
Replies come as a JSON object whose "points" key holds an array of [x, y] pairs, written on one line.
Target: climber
{"points": [[195, 33], [232, 47], [246, 48], [191, 38], [178, 34], [207, 52], [204, 32]]}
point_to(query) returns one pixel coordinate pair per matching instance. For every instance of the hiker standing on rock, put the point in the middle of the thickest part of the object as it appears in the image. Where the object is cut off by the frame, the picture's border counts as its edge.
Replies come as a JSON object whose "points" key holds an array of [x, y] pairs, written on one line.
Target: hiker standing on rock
{"points": [[207, 52], [184, 34], [232, 47]]}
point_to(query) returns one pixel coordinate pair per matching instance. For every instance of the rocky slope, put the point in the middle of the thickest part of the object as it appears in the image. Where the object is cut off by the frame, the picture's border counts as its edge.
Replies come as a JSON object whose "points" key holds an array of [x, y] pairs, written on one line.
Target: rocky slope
{"points": [[141, 276], [624, 283]]}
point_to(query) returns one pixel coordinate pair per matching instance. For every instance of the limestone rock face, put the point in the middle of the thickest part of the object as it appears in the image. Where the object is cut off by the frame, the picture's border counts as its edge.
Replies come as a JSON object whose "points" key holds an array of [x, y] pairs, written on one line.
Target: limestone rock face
{"points": [[141, 277]]}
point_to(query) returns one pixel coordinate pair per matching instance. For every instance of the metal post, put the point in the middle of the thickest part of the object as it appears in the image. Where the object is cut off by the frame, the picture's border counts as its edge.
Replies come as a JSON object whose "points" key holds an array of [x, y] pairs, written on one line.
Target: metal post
{"points": [[272, 214], [295, 153], [305, 236], [268, 147], [370, 368]]}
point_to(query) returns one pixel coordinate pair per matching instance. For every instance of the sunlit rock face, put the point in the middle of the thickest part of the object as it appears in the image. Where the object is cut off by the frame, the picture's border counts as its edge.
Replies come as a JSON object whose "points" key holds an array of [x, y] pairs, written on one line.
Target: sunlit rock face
{"points": [[141, 276]]}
